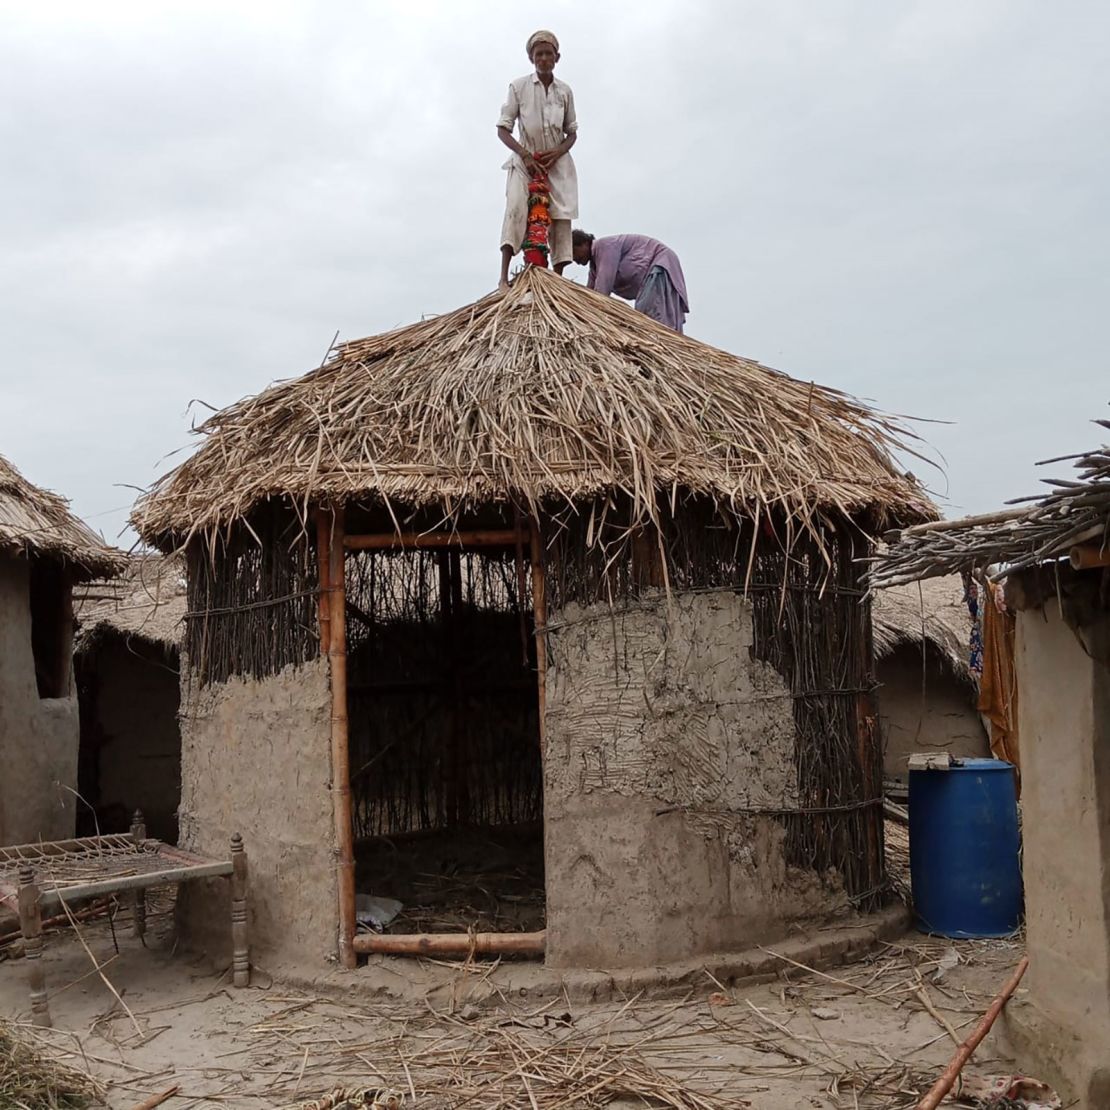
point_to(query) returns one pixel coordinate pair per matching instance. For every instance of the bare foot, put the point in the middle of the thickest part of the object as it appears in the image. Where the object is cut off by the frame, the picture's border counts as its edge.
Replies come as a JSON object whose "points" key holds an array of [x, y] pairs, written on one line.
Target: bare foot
{"points": [[502, 285]]}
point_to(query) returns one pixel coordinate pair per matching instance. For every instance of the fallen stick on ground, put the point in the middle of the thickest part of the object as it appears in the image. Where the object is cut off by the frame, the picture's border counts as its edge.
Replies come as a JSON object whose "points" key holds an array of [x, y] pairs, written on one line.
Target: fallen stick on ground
{"points": [[100, 967], [944, 1084], [935, 1014], [158, 1099]]}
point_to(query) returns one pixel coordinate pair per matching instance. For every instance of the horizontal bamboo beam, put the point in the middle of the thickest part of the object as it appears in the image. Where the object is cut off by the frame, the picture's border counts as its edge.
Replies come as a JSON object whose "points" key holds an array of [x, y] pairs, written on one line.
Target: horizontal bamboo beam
{"points": [[492, 537], [452, 944], [1088, 555]]}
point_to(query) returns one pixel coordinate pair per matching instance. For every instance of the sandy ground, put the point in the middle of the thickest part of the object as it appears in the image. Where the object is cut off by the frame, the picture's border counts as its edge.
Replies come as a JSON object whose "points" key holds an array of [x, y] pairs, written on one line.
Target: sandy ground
{"points": [[858, 1036]]}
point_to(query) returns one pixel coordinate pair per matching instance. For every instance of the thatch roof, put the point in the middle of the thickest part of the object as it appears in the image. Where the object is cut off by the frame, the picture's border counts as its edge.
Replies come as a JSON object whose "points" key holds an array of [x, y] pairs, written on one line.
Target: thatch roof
{"points": [[147, 600], [36, 522], [545, 393], [932, 611], [1038, 529]]}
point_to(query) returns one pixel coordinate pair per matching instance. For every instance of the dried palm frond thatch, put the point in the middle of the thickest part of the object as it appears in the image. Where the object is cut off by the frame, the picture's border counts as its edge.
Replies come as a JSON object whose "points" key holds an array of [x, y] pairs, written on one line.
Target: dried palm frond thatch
{"points": [[34, 521], [547, 393], [933, 611], [1037, 529], [147, 600]]}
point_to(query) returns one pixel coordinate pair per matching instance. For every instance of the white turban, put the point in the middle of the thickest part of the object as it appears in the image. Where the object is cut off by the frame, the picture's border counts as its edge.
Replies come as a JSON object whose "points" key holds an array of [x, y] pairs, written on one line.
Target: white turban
{"points": [[541, 36]]}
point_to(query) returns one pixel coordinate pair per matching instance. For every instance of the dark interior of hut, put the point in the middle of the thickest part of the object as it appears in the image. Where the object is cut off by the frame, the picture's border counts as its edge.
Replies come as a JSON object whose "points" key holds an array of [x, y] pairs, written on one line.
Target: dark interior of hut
{"points": [[446, 782]]}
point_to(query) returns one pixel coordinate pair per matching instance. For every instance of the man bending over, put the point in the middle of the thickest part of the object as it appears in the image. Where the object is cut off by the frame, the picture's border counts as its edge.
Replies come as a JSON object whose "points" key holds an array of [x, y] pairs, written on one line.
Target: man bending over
{"points": [[639, 269]]}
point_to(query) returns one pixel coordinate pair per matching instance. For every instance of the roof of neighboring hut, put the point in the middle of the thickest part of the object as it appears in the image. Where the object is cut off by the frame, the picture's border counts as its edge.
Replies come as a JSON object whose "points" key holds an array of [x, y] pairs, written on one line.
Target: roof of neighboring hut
{"points": [[1038, 529], [933, 611], [147, 600], [546, 391], [36, 522]]}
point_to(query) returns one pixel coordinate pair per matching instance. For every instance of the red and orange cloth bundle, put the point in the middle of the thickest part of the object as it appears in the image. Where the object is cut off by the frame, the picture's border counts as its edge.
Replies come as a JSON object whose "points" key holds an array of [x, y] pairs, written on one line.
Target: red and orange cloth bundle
{"points": [[539, 219]]}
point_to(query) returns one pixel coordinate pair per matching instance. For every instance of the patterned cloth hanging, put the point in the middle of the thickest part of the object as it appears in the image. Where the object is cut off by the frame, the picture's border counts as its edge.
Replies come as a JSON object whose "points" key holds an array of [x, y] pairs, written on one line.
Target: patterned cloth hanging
{"points": [[539, 219]]}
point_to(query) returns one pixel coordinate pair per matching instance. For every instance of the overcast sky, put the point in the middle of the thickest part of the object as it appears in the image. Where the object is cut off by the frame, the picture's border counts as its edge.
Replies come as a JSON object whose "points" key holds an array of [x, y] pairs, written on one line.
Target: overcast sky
{"points": [[906, 200]]}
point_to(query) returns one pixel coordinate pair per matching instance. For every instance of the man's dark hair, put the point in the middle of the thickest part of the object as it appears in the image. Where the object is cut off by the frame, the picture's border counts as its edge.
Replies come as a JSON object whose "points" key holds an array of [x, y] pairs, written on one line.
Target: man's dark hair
{"points": [[579, 237]]}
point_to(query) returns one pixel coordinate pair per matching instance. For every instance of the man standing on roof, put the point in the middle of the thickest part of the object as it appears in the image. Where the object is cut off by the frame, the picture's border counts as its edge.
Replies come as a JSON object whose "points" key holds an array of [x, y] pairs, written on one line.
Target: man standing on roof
{"points": [[543, 108], [639, 269]]}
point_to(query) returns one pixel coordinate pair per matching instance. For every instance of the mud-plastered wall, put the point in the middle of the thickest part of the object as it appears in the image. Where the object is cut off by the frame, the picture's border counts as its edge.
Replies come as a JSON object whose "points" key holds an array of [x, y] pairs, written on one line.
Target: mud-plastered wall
{"points": [[662, 734], [924, 707], [38, 736], [1063, 1020], [255, 759]]}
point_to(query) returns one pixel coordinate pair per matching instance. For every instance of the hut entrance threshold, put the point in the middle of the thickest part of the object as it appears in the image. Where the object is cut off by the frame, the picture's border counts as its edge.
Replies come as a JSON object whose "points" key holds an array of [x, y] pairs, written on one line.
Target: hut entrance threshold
{"points": [[437, 688]]}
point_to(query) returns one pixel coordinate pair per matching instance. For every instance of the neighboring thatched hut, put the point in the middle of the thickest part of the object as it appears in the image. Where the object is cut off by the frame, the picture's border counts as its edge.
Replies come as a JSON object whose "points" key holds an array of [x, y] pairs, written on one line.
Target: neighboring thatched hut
{"points": [[927, 692], [1054, 555], [127, 664], [44, 550], [578, 602]]}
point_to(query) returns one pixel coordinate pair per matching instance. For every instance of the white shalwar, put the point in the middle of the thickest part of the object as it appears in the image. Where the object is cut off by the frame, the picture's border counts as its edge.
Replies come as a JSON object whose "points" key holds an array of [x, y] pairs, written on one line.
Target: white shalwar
{"points": [[545, 117]]}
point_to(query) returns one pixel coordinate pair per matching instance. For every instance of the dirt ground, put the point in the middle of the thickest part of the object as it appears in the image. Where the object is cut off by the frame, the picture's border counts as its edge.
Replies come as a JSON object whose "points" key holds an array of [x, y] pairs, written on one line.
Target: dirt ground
{"points": [[860, 1035]]}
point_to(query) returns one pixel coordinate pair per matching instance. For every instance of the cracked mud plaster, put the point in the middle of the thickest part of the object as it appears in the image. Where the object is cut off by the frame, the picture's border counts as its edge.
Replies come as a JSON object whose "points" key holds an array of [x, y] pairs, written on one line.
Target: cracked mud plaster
{"points": [[669, 705], [256, 759], [653, 707]]}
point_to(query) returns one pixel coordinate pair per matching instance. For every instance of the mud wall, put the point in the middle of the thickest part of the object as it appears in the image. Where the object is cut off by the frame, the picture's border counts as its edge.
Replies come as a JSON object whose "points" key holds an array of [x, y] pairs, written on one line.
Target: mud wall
{"points": [[134, 732], [1064, 727], [38, 737], [255, 759], [660, 729], [924, 707]]}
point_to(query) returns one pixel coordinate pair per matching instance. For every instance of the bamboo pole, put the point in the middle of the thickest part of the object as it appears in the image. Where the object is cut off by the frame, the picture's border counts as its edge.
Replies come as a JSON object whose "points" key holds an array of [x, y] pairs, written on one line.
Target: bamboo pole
{"points": [[323, 544], [158, 1099], [944, 1084], [1089, 555], [539, 617], [452, 944], [340, 744], [495, 537]]}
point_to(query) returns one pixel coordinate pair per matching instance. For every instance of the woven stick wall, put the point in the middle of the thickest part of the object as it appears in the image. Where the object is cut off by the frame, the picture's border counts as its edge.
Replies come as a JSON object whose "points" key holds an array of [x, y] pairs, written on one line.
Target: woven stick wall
{"points": [[251, 600], [443, 711], [442, 692], [811, 623]]}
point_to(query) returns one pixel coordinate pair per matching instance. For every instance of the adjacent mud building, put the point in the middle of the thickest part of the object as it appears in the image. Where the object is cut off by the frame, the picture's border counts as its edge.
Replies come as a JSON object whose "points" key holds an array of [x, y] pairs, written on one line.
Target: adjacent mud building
{"points": [[44, 551]]}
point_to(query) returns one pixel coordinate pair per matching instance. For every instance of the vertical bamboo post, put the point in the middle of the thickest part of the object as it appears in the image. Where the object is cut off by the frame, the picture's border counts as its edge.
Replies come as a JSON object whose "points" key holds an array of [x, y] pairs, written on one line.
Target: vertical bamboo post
{"points": [[138, 897], [323, 534], [30, 924], [340, 743], [870, 742], [240, 948], [539, 615]]}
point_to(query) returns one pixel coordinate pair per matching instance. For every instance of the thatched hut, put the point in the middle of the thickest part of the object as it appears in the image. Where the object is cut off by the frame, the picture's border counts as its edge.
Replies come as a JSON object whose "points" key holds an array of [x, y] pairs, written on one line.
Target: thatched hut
{"points": [[577, 601], [44, 551], [127, 668], [1053, 552], [927, 693]]}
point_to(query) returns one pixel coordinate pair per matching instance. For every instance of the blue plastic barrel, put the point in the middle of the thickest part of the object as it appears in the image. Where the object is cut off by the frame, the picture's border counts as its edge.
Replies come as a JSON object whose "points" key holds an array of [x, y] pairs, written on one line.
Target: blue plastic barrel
{"points": [[965, 869]]}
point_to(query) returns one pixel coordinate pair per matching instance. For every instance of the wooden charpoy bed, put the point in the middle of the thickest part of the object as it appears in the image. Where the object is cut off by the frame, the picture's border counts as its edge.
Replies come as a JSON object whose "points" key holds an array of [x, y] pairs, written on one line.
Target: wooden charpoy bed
{"points": [[57, 874]]}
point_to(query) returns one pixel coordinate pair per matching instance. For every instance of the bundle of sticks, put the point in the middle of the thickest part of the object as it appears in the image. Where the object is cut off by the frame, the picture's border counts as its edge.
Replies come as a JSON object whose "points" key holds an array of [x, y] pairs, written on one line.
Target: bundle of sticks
{"points": [[1071, 521]]}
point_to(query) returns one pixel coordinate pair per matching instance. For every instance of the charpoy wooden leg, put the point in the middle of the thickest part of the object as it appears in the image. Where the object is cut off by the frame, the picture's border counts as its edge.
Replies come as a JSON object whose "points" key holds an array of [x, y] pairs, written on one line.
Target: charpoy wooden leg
{"points": [[240, 951], [138, 897], [30, 924]]}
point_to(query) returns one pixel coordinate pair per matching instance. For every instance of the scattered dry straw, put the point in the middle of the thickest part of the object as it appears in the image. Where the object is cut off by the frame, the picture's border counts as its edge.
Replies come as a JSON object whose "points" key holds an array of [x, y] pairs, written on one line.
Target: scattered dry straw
{"points": [[29, 1080]]}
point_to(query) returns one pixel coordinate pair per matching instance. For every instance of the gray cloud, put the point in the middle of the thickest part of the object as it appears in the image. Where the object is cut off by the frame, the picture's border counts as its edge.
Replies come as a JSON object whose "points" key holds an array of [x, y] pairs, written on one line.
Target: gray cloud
{"points": [[904, 201]]}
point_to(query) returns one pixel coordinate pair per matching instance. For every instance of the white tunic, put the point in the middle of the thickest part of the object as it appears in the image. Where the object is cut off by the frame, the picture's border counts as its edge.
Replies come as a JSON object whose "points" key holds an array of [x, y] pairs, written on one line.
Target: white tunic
{"points": [[545, 116]]}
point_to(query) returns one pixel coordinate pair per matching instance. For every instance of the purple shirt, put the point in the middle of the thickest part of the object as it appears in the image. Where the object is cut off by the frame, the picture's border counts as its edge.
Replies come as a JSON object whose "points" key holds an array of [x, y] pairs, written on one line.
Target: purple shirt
{"points": [[621, 263]]}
